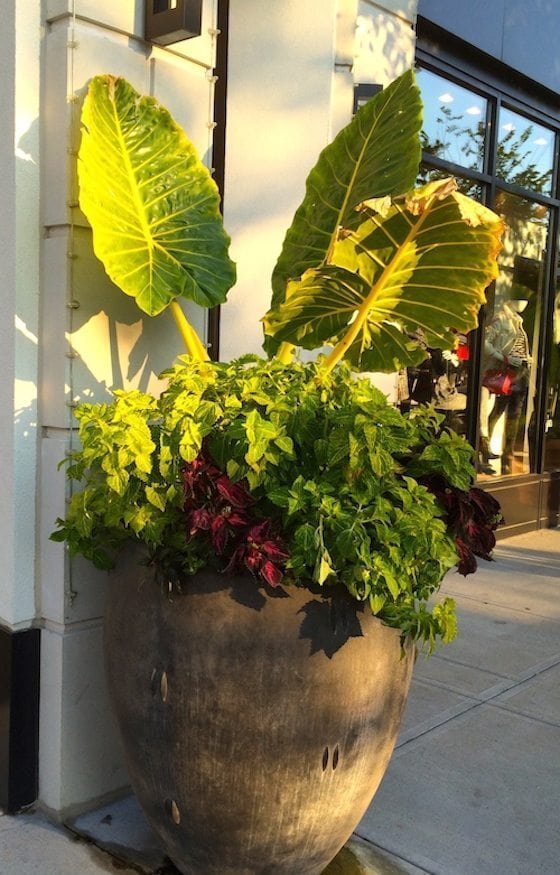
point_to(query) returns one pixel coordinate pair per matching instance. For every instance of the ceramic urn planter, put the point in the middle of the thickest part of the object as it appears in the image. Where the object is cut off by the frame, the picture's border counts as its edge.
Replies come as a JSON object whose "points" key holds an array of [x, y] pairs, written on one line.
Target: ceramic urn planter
{"points": [[256, 725]]}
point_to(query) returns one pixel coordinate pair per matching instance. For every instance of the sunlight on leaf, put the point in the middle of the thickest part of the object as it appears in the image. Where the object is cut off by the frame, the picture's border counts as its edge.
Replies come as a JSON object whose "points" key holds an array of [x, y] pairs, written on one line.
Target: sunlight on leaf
{"points": [[408, 277], [377, 154], [152, 204]]}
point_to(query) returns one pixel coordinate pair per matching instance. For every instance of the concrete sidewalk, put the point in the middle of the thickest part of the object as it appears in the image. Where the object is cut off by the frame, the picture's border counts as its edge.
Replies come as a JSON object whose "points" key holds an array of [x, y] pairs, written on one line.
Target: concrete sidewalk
{"points": [[474, 784]]}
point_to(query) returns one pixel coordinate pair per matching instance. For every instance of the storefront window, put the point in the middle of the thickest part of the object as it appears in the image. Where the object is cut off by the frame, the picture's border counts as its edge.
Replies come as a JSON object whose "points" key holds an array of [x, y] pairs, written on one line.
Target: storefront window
{"points": [[442, 380], [511, 341], [454, 121], [492, 165], [525, 152]]}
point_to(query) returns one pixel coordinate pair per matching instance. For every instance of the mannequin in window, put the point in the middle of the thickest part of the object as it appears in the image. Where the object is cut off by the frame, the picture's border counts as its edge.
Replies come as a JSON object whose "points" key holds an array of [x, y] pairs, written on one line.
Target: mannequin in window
{"points": [[506, 343]]}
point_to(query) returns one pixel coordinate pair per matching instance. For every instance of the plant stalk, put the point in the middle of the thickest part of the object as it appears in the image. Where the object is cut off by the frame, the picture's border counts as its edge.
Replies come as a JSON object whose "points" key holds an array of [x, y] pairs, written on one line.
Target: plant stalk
{"points": [[285, 352], [193, 343]]}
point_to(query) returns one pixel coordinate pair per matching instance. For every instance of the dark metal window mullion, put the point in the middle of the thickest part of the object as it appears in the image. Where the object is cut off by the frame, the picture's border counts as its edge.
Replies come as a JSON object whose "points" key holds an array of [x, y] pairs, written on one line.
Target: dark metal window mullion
{"points": [[476, 337], [556, 166], [547, 316], [454, 169], [545, 338], [492, 146]]}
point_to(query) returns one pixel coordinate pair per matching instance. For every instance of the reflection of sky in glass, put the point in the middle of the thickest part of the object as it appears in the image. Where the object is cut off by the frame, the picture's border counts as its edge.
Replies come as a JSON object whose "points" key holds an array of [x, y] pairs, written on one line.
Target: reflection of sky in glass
{"points": [[454, 121], [525, 152]]}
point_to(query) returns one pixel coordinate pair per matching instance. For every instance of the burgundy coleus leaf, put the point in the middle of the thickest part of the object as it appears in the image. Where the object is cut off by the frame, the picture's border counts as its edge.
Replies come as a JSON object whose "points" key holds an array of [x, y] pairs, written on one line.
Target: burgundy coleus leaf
{"points": [[252, 559], [271, 573], [199, 478], [259, 532], [234, 493], [467, 560], [448, 496], [220, 534], [266, 553], [225, 524], [221, 530], [192, 472], [199, 520], [262, 553], [486, 507], [214, 504], [274, 550], [481, 539], [471, 518]]}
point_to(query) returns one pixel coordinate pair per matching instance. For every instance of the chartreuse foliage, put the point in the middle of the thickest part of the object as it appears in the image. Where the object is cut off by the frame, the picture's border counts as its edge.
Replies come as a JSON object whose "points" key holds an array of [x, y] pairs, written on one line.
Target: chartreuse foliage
{"points": [[153, 206], [420, 262], [377, 154], [367, 264], [327, 460], [338, 475]]}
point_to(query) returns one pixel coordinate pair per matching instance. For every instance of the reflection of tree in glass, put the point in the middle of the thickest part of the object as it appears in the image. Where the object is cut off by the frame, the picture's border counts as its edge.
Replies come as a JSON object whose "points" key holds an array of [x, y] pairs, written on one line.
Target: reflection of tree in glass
{"points": [[514, 165], [459, 139], [517, 208], [465, 186], [514, 161]]}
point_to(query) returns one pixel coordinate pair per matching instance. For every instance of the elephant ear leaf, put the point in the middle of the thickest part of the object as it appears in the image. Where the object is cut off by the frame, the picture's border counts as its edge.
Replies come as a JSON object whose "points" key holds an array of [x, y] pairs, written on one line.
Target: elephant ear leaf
{"points": [[152, 204], [377, 153], [415, 269]]}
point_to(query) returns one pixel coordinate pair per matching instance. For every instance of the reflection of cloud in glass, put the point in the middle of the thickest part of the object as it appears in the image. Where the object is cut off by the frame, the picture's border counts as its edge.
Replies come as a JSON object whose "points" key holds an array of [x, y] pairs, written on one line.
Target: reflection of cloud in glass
{"points": [[525, 151], [449, 131]]}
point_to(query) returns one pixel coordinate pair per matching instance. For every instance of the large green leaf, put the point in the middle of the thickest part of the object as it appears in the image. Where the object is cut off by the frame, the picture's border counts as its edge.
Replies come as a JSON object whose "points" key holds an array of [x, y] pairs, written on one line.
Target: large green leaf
{"points": [[414, 270], [377, 154], [152, 204]]}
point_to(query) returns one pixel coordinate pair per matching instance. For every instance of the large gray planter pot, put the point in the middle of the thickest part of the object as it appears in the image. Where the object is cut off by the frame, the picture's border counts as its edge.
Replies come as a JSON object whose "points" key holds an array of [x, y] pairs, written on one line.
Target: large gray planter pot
{"points": [[254, 740]]}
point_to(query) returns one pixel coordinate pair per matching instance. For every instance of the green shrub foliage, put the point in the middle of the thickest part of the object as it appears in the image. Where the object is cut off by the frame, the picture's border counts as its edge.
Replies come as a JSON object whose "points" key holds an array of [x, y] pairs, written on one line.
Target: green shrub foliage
{"points": [[333, 470]]}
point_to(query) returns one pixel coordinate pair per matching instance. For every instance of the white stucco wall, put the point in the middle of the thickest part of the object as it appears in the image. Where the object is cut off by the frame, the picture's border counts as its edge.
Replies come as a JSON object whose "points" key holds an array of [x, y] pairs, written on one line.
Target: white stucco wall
{"points": [[290, 90], [385, 40], [93, 339], [19, 257], [292, 69]]}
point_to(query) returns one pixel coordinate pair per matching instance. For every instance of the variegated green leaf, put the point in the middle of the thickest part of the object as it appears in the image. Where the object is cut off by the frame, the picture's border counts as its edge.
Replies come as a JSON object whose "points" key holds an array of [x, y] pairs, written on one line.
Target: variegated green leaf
{"points": [[152, 204], [412, 272], [378, 153]]}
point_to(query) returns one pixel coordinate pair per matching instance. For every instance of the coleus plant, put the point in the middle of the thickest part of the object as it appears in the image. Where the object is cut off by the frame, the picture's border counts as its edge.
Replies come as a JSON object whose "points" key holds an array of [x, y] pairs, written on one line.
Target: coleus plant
{"points": [[300, 473]]}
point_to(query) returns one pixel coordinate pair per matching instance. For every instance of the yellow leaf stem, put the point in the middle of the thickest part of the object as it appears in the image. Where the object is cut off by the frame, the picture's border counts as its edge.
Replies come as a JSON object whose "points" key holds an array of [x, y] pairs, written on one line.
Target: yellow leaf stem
{"points": [[194, 345], [285, 353]]}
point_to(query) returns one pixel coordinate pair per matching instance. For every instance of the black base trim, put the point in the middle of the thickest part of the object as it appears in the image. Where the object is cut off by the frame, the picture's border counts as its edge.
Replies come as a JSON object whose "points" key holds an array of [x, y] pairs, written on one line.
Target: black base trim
{"points": [[19, 718]]}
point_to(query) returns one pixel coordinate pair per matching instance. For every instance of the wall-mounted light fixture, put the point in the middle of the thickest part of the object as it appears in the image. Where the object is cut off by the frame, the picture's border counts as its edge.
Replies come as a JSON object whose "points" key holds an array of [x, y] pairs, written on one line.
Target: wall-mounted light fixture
{"points": [[170, 21], [363, 92]]}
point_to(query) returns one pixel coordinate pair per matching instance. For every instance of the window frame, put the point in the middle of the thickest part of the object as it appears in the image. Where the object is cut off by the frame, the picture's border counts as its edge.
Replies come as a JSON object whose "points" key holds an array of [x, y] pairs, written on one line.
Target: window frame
{"points": [[488, 80]]}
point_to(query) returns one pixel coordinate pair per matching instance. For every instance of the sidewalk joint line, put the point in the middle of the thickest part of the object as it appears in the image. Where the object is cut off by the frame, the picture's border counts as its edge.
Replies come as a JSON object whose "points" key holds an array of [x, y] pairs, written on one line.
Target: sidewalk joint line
{"points": [[393, 854]]}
